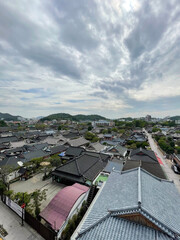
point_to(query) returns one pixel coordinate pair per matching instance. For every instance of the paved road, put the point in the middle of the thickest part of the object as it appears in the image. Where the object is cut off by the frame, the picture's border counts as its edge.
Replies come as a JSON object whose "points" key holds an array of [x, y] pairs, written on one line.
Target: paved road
{"points": [[12, 224], [166, 162]]}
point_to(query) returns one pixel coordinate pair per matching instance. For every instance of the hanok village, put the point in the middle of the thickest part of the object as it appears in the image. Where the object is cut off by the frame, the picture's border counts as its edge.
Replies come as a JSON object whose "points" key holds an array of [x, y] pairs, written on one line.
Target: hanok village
{"points": [[92, 180]]}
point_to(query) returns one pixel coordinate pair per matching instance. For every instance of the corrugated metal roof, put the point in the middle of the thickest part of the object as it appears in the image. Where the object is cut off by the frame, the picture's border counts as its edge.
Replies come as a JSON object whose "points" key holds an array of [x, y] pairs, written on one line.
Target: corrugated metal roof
{"points": [[60, 206]]}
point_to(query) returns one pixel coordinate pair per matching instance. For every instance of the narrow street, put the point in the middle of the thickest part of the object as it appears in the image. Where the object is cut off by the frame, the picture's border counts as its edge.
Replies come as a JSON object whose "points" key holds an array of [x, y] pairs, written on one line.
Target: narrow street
{"points": [[166, 166], [12, 224]]}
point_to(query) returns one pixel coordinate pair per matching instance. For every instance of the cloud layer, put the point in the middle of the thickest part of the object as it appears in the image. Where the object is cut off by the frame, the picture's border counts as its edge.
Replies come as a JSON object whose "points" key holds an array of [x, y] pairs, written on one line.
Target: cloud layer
{"points": [[118, 58]]}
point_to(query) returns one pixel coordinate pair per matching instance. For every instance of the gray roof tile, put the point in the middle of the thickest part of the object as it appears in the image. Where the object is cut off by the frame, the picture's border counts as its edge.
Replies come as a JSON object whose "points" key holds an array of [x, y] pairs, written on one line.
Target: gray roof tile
{"points": [[112, 228], [158, 199]]}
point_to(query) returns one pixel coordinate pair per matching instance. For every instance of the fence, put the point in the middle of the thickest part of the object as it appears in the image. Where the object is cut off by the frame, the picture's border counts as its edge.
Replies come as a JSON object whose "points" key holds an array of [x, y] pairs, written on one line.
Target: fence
{"points": [[45, 232]]}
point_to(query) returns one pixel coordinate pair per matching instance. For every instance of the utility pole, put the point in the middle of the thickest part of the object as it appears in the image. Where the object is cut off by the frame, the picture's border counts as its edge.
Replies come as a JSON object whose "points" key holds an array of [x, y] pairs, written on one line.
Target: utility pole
{"points": [[23, 211], [22, 217]]}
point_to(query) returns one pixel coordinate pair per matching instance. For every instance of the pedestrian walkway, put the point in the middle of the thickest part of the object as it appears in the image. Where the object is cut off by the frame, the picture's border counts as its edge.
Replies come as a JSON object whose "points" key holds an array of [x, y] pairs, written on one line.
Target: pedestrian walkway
{"points": [[166, 163], [12, 224], [159, 160]]}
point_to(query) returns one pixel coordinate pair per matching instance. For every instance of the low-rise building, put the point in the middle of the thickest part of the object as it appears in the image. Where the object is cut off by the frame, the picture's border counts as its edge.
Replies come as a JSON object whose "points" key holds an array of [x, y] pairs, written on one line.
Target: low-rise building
{"points": [[132, 205]]}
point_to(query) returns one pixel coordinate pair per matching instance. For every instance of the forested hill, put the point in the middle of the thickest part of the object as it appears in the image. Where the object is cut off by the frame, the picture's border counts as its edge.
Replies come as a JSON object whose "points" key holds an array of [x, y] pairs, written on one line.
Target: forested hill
{"points": [[79, 117], [175, 118], [8, 117]]}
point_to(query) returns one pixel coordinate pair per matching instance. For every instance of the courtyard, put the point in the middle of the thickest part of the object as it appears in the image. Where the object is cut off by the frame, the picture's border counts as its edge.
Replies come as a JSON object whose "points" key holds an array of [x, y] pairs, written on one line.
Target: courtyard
{"points": [[35, 183]]}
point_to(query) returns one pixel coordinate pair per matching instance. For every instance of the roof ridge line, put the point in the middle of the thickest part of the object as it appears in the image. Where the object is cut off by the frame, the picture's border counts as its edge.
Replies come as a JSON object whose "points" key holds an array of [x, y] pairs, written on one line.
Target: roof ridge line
{"points": [[77, 166], [160, 179], [162, 225], [129, 170], [89, 154], [123, 209], [170, 231], [139, 187], [91, 166]]}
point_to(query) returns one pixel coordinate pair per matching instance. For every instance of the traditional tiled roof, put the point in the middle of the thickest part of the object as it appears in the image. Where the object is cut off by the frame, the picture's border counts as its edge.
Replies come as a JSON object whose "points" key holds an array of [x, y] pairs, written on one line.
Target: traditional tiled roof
{"points": [[85, 167], [113, 228], [113, 165], [78, 142], [117, 150], [8, 139], [138, 191], [97, 146], [34, 154], [58, 149], [151, 167], [143, 155], [74, 151], [11, 161]]}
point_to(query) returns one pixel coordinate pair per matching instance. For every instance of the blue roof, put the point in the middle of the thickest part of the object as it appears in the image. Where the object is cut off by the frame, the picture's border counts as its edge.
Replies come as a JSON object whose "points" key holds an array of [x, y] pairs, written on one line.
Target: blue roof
{"points": [[62, 154], [113, 165], [138, 191]]}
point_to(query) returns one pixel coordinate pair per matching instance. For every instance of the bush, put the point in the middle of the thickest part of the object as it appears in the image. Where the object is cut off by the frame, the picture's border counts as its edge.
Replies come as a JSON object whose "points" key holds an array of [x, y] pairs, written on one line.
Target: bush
{"points": [[178, 150], [2, 187], [89, 128], [73, 222], [91, 137], [155, 129]]}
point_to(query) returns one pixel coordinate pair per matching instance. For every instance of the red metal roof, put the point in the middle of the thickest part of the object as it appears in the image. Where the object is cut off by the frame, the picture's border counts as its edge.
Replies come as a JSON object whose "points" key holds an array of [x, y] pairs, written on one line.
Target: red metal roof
{"points": [[60, 206]]}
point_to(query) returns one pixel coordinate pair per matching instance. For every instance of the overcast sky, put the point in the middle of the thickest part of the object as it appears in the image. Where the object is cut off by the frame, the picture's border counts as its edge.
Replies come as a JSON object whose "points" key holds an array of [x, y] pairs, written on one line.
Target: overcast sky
{"points": [[115, 58]]}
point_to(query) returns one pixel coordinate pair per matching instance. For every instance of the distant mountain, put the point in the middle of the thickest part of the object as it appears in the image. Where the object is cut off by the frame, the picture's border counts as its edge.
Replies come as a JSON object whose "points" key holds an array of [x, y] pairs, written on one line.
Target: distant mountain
{"points": [[38, 118], [79, 117], [126, 119], [175, 118], [8, 117]]}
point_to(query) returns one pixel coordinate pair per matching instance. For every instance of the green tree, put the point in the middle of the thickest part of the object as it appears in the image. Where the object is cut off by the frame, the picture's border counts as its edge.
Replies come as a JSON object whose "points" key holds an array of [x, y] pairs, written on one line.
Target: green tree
{"points": [[133, 146], [3, 123], [9, 193], [104, 131], [5, 171], [2, 187], [22, 197], [55, 160], [155, 129], [142, 144], [121, 130], [95, 139], [73, 223], [178, 150], [129, 124], [91, 137], [89, 128], [37, 161], [38, 196], [40, 126]]}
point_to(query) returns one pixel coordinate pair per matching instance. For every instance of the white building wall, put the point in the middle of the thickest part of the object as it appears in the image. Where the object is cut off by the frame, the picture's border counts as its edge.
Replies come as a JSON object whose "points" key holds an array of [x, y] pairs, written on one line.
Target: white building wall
{"points": [[73, 211]]}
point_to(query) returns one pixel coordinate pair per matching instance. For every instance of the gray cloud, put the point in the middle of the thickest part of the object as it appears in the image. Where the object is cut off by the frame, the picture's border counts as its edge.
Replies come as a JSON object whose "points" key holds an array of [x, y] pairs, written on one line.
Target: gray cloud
{"points": [[29, 40], [100, 51], [99, 95], [149, 28]]}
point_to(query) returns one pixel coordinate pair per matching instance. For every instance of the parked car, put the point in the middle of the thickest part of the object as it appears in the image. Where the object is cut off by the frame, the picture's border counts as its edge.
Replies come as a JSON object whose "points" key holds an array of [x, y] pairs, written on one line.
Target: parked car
{"points": [[176, 169]]}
